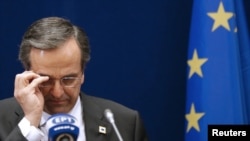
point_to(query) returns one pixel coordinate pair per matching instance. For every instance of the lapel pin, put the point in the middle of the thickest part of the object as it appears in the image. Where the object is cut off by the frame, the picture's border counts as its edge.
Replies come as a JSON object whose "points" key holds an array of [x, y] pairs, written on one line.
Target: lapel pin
{"points": [[102, 129]]}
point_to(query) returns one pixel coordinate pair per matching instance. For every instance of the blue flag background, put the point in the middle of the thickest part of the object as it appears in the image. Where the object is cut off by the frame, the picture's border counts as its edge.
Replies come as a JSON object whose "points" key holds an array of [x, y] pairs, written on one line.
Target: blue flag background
{"points": [[218, 67]]}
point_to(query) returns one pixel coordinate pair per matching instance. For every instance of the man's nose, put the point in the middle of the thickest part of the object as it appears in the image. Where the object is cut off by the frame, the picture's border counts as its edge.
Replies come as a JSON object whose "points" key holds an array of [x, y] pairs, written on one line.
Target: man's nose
{"points": [[57, 90]]}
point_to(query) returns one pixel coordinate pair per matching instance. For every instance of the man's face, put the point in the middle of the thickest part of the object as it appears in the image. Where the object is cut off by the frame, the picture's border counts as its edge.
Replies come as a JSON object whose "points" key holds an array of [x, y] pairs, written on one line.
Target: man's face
{"points": [[60, 63]]}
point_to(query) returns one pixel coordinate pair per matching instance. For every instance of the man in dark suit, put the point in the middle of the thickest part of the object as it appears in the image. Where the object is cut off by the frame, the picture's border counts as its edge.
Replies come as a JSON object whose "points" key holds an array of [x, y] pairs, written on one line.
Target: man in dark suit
{"points": [[54, 53]]}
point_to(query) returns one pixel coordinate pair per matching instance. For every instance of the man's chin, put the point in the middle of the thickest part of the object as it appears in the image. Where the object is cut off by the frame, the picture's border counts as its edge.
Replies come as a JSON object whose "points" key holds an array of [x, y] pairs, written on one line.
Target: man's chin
{"points": [[56, 109]]}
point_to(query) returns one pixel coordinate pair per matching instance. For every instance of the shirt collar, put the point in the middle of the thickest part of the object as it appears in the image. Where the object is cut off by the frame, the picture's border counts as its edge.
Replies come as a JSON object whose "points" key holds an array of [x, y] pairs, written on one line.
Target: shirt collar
{"points": [[76, 112]]}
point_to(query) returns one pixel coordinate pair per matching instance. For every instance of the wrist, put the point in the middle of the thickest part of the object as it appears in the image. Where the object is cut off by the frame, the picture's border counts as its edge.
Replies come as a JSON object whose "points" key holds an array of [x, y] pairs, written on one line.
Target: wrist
{"points": [[34, 119]]}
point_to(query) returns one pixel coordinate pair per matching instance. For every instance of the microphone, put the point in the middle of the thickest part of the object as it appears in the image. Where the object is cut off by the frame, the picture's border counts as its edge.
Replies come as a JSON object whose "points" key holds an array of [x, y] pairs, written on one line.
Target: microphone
{"points": [[110, 117], [62, 127]]}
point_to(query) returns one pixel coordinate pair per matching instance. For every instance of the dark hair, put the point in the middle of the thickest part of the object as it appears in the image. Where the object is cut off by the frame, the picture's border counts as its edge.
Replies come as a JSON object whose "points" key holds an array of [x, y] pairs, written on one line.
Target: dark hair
{"points": [[51, 32]]}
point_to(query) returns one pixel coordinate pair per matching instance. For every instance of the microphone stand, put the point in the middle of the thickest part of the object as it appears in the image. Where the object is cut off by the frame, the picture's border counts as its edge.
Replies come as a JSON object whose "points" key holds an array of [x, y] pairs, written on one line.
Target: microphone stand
{"points": [[109, 115]]}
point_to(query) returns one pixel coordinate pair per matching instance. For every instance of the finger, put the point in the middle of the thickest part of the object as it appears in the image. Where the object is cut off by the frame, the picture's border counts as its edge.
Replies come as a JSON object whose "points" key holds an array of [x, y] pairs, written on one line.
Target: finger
{"points": [[31, 88], [23, 79], [35, 82]]}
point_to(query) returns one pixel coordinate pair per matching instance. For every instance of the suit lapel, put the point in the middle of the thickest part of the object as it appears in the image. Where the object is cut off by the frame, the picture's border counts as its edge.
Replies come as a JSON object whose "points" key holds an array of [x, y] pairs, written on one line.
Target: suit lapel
{"points": [[97, 128]]}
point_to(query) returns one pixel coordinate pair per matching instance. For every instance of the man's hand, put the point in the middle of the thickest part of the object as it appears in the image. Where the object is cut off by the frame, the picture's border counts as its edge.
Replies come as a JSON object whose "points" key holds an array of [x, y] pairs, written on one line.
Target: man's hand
{"points": [[29, 96]]}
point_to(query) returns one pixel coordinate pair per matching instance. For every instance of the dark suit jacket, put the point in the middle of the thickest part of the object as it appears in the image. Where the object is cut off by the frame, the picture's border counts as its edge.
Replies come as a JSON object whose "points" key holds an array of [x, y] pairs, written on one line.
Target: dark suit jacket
{"points": [[127, 120]]}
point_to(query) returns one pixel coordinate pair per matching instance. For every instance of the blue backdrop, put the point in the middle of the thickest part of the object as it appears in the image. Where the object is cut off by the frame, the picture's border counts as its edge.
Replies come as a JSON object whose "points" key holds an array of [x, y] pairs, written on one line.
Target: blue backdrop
{"points": [[139, 53]]}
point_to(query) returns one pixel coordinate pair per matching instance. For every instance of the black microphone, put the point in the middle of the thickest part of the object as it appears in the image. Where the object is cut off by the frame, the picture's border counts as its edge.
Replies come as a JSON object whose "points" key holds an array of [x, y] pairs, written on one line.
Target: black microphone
{"points": [[62, 127], [110, 117]]}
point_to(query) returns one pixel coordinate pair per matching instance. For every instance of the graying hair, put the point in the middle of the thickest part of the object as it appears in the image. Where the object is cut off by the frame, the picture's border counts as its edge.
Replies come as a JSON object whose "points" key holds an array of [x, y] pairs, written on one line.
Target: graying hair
{"points": [[51, 32]]}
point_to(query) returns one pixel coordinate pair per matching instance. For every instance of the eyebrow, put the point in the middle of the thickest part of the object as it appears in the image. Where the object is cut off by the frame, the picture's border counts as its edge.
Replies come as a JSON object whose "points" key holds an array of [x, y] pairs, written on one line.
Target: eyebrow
{"points": [[67, 75]]}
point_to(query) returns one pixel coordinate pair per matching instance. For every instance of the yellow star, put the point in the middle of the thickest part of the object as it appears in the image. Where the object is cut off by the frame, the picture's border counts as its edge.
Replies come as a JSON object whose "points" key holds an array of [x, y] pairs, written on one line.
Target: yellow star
{"points": [[193, 118], [221, 17], [195, 64]]}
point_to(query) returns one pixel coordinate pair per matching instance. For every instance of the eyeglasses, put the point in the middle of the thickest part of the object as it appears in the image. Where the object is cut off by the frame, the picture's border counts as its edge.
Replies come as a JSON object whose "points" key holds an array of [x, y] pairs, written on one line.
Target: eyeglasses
{"points": [[65, 82]]}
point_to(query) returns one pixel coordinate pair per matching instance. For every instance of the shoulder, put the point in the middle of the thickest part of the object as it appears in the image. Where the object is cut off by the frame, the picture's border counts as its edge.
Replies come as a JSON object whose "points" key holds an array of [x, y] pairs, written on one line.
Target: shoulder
{"points": [[8, 101], [103, 104], [9, 106], [128, 119]]}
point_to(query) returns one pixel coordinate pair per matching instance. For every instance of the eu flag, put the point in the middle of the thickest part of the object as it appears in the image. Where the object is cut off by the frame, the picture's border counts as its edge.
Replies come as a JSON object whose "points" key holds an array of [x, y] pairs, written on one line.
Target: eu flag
{"points": [[218, 67]]}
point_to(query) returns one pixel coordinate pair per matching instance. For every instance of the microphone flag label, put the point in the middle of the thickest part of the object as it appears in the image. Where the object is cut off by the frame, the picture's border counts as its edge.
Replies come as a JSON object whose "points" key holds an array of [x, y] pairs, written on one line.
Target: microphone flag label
{"points": [[62, 127]]}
